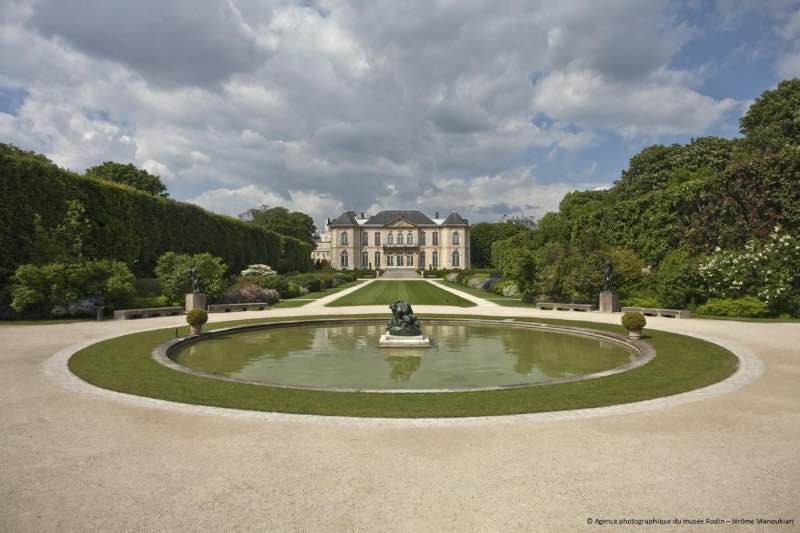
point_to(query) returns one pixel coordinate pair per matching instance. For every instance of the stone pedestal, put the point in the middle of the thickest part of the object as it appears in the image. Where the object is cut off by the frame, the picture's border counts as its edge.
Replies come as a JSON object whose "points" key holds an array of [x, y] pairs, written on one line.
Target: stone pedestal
{"points": [[404, 341], [195, 300], [609, 302]]}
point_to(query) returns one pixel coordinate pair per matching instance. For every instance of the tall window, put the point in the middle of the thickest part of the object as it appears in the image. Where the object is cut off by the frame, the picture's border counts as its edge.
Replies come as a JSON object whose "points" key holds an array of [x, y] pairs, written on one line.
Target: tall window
{"points": [[364, 238], [364, 259], [456, 258], [435, 259], [399, 260], [390, 238], [409, 238], [389, 260], [455, 237], [422, 259], [399, 238], [343, 260], [377, 259], [377, 238], [343, 238], [410, 259], [422, 238], [435, 238]]}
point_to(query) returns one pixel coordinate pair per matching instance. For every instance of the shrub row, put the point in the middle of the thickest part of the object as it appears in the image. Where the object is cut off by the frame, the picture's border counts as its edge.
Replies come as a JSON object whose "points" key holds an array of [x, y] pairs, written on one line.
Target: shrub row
{"points": [[125, 224]]}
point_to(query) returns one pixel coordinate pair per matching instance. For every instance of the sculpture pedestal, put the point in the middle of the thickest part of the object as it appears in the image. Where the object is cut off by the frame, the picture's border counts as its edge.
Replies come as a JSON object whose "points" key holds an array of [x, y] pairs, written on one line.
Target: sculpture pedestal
{"points": [[609, 302], [195, 300], [404, 341]]}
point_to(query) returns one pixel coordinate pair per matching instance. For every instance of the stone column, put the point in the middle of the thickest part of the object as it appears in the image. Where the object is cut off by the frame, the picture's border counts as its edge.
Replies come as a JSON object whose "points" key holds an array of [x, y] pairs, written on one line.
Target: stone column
{"points": [[195, 300], [609, 302]]}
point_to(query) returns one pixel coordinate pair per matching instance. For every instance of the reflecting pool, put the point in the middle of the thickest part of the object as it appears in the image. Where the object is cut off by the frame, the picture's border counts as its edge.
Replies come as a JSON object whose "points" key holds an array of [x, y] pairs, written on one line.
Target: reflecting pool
{"points": [[348, 357]]}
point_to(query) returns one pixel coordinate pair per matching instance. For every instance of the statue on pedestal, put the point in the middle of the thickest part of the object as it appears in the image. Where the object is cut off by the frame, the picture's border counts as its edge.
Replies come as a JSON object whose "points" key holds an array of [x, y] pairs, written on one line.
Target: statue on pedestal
{"points": [[404, 322], [608, 286], [194, 274]]}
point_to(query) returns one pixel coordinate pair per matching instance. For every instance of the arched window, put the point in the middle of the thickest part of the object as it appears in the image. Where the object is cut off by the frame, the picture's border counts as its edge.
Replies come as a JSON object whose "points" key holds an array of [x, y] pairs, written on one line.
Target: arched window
{"points": [[409, 238], [390, 238], [435, 238], [455, 258], [343, 238], [455, 238], [343, 260], [377, 238], [422, 259], [399, 237], [364, 259], [377, 259], [435, 259]]}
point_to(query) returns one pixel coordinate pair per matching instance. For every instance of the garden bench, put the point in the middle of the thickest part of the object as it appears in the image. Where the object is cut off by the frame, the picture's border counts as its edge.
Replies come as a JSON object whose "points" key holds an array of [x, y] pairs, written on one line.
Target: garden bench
{"points": [[227, 308], [126, 314], [565, 307], [650, 311]]}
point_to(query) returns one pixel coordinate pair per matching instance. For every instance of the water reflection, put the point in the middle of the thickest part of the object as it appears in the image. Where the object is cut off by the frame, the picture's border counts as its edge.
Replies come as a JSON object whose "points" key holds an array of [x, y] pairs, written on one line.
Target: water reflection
{"points": [[347, 356]]}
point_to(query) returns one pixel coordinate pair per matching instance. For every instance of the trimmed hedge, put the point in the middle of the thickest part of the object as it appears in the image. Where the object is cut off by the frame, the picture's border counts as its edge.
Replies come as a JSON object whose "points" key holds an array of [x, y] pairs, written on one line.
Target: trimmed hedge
{"points": [[126, 225]]}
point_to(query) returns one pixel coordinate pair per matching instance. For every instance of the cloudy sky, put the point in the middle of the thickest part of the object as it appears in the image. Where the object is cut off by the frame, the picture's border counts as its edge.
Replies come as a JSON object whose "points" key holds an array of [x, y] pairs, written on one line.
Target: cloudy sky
{"points": [[486, 107]]}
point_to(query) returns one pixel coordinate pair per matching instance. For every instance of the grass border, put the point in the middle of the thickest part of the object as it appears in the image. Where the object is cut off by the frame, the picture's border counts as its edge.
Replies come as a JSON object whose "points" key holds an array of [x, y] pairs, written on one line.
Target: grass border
{"points": [[682, 363]]}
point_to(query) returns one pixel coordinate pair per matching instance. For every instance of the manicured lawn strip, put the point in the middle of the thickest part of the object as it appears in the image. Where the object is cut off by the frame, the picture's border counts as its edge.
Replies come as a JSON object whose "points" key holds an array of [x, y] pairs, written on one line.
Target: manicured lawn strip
{"points": [[327, 292], [43, 322], [743, 319], [682, 363], [290, 303], [386, 292]]}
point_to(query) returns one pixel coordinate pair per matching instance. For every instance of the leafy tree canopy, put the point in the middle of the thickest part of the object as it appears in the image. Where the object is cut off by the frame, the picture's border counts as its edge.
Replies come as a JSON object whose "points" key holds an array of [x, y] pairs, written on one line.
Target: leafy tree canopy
{"points": [[282, 221], [128, 175], [483, 235]]}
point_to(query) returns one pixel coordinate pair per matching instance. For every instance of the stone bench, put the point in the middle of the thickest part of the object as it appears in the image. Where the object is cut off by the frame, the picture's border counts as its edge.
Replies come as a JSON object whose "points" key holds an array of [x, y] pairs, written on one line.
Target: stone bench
{"points": [[649, 311], [227, 308], [565, 307], [126, 314]]}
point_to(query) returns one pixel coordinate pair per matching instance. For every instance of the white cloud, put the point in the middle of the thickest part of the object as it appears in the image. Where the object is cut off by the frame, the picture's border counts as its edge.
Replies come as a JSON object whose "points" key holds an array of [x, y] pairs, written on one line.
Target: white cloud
{"points": [[345, 104]]}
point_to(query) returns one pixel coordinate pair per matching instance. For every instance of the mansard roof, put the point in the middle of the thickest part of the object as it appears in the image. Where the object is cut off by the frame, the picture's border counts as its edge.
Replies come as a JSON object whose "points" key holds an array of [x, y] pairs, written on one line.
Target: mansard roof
{"points": [[389, 216], [454, 219], [414, 216], [348, 218]]}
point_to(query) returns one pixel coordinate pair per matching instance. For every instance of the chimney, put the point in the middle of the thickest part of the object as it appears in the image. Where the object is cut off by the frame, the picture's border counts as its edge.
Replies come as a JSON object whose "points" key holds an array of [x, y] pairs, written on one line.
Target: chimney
{"points": [[362, 214], [436, 214]]}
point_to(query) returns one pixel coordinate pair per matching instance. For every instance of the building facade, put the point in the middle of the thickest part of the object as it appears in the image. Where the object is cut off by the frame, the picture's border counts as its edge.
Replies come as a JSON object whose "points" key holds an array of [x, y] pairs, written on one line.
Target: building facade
{"points": [[399, 239], [322, 249]]}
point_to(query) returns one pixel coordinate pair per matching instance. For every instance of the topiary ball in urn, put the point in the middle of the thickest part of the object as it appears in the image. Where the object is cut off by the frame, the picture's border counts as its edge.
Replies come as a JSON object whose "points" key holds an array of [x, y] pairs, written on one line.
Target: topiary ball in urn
{"points": [[634, 322], [196, 318]]}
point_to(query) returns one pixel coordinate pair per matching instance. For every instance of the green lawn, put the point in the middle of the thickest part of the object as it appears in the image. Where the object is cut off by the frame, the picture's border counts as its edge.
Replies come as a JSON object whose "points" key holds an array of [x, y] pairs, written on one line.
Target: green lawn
{"points": [[327, 292], [681, 364], [499, 299], [414, 292]]}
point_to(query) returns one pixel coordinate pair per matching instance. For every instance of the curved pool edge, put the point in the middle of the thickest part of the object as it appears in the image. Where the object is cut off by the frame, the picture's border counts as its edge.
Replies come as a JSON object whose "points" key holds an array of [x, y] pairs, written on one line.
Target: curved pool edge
{"points": [[642, 350], [751, 367]]}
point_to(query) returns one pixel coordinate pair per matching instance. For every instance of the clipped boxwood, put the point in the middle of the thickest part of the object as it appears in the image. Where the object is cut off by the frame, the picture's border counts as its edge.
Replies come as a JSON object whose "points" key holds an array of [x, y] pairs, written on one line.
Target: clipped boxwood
{"points": [[747, 307], [634, 321]]}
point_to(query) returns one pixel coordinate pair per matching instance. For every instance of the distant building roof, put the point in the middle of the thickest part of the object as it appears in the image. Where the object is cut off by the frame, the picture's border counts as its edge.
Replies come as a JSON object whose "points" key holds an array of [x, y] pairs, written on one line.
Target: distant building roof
{"points": [[348, 218], [387, 216], [454, 219]]}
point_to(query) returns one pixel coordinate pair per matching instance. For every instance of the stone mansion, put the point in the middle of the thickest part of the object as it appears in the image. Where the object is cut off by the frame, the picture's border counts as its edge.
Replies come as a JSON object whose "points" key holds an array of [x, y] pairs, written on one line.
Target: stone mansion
{"points": [[395, 239]]}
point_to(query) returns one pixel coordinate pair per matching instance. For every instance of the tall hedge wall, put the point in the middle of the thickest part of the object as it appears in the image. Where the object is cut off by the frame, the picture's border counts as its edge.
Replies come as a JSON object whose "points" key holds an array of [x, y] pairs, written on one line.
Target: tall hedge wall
{"points": [[126, 224]]}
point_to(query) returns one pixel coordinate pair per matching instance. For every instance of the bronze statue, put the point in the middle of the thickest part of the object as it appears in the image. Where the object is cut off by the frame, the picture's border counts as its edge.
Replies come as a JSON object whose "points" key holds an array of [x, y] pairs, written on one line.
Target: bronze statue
{"points": [[404, 322], [609, 277], [194, 274]]}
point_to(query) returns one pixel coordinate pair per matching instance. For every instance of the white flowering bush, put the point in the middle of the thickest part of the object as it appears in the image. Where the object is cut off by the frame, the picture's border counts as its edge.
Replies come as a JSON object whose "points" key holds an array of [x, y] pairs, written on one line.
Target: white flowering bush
{"points": [[768, 270], [258, 270]]}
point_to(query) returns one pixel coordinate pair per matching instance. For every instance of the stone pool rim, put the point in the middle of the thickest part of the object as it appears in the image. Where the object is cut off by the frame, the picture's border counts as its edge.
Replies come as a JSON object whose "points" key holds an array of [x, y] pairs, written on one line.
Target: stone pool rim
{"points": [[642, 352]]}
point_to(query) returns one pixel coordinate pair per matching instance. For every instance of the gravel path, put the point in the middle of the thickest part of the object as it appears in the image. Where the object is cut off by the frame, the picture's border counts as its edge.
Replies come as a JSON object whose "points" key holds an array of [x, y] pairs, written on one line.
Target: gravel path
{"points": [[71, 461]]}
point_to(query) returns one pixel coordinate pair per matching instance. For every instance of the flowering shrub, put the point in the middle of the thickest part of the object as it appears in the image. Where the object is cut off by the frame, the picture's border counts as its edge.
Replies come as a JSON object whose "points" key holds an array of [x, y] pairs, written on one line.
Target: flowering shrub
{"points": [[258, 270], [250, 293], [765, 269]]}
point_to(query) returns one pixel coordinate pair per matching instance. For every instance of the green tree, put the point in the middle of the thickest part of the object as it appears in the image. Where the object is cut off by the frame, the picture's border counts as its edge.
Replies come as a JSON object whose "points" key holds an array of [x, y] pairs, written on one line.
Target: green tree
{"points": [[128, 175], [483, 235], [282, 221], [172, 271], [65, 242], [774, 117]]}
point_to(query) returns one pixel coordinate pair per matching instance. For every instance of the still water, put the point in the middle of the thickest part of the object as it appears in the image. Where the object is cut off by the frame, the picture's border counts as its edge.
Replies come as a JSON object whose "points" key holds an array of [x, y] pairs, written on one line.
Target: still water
{"points": [[462, 356]]}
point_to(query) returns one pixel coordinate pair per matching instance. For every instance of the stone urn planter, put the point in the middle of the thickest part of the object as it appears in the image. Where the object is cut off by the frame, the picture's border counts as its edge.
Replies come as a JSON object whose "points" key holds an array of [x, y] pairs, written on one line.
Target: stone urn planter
{"points": [[196, 318], [634, 322]]}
